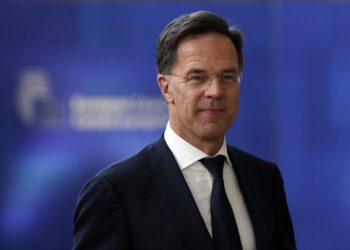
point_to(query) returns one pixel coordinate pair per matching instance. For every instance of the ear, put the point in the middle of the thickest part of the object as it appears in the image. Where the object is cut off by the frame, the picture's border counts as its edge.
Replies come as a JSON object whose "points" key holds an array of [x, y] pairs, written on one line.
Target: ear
{"points": [[163, 84]]}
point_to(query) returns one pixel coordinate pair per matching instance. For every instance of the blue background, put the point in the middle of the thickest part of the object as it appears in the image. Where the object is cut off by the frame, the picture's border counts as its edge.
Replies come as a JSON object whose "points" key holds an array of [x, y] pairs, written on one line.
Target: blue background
{"points": [[294, 107]]}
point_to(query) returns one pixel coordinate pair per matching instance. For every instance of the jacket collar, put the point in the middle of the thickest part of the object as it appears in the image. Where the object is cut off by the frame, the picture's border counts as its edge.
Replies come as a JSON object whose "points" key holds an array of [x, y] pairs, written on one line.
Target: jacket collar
{"points": [[168, 188]]}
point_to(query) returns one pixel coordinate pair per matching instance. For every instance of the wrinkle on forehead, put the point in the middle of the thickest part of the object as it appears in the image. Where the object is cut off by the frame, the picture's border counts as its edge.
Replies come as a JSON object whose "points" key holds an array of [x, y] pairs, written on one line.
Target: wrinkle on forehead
{"points": [[212, 51]]}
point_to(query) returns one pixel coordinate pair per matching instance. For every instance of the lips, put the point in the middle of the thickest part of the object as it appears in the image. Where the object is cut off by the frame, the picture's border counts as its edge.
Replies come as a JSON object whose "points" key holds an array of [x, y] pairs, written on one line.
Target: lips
{"points": [[212, 111], [212, 108]]}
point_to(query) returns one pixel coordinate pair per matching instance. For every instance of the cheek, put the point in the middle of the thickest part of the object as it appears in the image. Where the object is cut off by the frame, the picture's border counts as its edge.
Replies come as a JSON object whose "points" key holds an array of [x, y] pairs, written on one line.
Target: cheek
{"points": [[187, 99], [176, 93], [234, 100], [184, 104], [235, 94], [191, 102]]}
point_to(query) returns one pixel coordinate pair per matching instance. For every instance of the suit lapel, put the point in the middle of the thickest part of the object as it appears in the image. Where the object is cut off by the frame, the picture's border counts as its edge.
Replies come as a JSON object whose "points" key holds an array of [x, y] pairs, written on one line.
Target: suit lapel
{"points": [[250, 191], [169, 190]]}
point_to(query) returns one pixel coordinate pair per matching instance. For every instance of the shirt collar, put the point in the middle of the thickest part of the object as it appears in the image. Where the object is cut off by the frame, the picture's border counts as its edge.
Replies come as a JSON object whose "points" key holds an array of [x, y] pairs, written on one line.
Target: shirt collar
{"points": [[185, 153]]}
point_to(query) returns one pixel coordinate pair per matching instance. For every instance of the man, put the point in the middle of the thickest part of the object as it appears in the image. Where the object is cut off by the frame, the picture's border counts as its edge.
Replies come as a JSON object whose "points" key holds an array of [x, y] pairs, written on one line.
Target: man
{"points": [[168, 196]]}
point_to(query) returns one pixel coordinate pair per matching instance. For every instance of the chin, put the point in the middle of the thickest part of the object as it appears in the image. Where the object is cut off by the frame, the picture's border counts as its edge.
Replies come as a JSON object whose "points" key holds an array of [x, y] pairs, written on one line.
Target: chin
{"points": [[212, 134]]}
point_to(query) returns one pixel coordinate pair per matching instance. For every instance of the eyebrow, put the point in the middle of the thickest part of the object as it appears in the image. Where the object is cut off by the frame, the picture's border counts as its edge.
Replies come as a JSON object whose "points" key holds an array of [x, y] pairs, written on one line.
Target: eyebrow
{"points": [[202, 71], [194, 70], [230, 71]]}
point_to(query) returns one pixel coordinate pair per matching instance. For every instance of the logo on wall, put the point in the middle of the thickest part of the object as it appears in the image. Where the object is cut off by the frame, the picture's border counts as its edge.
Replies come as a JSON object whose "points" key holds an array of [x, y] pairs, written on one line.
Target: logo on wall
{"points": [[39, 108], [36, 104]]}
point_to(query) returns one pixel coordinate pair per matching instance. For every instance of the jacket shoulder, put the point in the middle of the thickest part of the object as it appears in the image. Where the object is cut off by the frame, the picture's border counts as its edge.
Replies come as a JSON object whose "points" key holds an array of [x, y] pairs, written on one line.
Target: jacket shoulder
{"points": [[250, 161], [137, 165], [244, 155]]}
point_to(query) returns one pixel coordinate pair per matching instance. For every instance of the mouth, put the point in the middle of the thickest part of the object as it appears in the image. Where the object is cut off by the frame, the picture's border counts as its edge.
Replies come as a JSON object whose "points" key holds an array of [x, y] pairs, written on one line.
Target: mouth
{"points": [[212, 111]]}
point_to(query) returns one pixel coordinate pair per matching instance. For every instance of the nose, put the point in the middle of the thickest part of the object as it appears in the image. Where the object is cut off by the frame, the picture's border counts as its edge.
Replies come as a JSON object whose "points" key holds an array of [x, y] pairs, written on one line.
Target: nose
{"points": [[214, 88]]}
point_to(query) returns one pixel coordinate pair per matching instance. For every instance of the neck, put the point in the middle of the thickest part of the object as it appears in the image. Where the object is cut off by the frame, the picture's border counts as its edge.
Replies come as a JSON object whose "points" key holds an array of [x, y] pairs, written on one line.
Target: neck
{"points": [[208, 145], [209, 148]]}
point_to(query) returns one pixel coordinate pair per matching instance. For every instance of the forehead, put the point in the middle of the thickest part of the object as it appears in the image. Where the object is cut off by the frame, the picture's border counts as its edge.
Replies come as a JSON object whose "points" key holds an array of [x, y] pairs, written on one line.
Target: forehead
{"points": [[210, 51]]}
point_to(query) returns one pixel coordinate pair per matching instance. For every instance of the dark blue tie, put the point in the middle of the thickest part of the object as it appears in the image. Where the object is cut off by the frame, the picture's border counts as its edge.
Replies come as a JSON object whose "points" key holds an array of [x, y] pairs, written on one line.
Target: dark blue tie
{"points": [[224, 227]]}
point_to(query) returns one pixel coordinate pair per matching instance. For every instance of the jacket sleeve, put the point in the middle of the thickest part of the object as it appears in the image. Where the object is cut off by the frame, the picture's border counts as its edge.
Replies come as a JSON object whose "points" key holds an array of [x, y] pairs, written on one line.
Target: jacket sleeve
{"points": [[99, 219], [284, 233]]}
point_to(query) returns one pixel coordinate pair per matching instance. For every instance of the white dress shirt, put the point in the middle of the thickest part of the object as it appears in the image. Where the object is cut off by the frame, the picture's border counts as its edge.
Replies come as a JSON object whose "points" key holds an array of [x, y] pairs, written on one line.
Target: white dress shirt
{"points": [[200, 182]]}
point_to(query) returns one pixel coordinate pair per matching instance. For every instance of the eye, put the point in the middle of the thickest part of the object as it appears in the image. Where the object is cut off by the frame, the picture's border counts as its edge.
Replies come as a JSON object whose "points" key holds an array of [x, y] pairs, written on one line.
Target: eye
{"points": [[228, 77], [198, 78]]}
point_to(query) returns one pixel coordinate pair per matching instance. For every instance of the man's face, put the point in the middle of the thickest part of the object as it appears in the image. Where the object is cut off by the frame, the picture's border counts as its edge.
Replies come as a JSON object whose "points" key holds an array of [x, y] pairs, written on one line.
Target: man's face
{"points": [[202, 111]]}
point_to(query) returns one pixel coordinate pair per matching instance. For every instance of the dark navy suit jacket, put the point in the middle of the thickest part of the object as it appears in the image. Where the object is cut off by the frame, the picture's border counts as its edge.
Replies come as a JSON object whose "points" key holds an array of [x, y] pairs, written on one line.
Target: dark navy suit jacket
{"points": [[144, 202]]}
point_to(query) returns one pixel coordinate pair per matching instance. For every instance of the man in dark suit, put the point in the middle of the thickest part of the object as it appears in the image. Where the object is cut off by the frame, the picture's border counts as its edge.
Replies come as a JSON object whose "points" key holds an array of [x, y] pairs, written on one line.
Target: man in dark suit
{"points": [[189, 190]]}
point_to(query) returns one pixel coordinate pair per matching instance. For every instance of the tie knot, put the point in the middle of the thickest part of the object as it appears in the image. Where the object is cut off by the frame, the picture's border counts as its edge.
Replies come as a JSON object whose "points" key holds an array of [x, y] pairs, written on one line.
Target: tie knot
{"points": [[214, 165]]}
